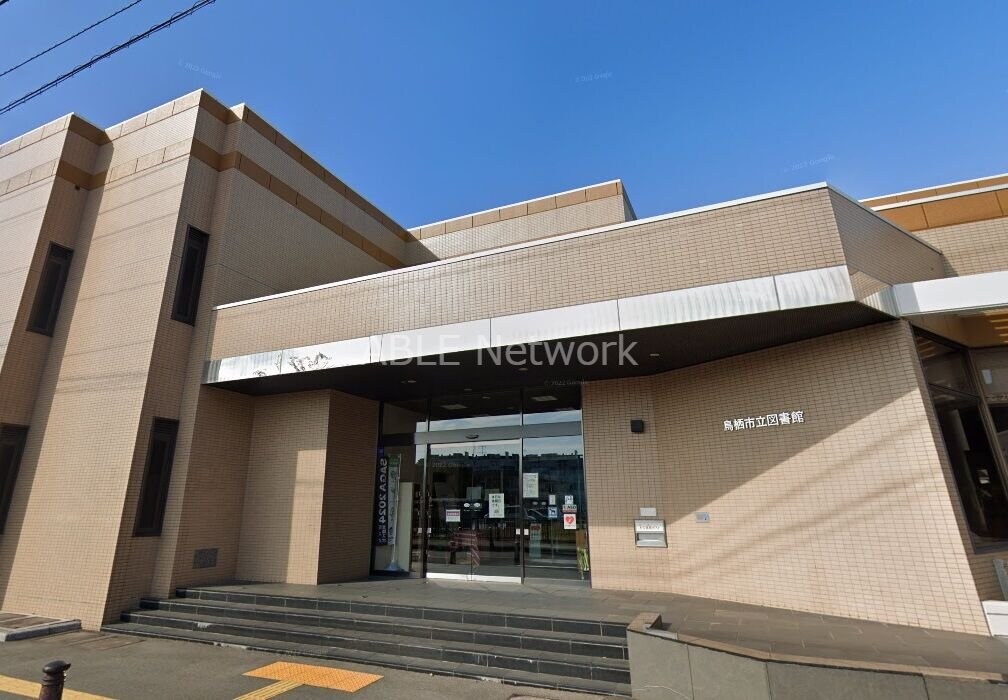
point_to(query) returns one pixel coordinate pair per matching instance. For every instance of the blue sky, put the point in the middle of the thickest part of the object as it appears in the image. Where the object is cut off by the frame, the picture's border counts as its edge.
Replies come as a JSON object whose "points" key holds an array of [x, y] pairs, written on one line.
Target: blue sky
{"points": [[436, 109]]}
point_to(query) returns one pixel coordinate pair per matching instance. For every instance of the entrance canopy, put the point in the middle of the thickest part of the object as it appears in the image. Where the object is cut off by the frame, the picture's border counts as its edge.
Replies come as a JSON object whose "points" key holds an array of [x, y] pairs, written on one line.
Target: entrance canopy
{"points": [[971, 310], [635, 298]]}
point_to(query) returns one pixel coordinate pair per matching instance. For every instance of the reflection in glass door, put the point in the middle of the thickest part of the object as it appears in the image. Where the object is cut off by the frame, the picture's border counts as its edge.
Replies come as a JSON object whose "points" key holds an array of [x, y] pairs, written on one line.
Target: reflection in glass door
{"points": [[473, 510], [555, 509]]}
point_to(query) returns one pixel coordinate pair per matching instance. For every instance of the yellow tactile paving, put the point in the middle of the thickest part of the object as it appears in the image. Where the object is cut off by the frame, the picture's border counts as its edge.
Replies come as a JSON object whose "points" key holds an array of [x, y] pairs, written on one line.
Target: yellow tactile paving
{"points": [[317, 676], [270, 691], [27, 689]]}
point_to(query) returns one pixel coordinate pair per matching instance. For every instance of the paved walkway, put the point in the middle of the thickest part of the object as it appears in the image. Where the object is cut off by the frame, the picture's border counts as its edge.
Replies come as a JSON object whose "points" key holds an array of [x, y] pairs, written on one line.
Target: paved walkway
{"points": [[109, 666], [14, 626], [730, 626]]}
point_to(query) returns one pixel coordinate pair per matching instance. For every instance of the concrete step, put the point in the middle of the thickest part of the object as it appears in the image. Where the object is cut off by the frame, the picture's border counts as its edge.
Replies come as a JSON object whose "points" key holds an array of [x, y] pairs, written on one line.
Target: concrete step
{"points": [[565, 625], [532, 661], [531, 640], [996, 612], [411, 663]]}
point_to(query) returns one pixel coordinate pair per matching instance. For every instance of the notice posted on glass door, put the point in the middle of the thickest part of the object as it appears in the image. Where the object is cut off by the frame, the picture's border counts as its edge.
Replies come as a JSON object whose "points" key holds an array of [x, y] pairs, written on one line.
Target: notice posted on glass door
{"points": [[496, 505], [530, 485]]}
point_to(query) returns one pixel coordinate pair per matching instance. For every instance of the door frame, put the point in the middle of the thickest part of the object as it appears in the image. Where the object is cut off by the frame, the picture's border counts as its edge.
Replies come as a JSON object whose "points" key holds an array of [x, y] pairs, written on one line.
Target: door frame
{"points": [[476, 434], [500, 434], [425, 533]]}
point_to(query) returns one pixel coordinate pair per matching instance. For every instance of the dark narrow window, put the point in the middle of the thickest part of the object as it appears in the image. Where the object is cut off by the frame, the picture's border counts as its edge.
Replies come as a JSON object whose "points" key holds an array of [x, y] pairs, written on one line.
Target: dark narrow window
{"points": [[190, 279], [12, 441], [970, 446], [50, 290], [157, 474]]}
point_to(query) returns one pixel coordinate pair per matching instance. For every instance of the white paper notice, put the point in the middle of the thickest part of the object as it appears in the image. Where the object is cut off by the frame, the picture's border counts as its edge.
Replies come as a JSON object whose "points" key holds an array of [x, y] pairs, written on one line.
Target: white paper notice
{"points": [[570, 521], [552, 499], [530, 485], [496, 505], [453, 515]]}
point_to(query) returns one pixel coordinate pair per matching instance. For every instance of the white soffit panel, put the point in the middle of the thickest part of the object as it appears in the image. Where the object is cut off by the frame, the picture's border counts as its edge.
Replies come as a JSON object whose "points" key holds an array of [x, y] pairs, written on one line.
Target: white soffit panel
{"points": [[825, 285], [342, 353], [969, 293], [550, 324], [435, 340], [262, 364], [751, 296]]}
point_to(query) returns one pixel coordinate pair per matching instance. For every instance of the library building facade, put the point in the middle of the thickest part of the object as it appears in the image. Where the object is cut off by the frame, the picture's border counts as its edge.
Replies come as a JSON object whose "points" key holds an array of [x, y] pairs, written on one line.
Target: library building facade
{"points": [[219, 363]]}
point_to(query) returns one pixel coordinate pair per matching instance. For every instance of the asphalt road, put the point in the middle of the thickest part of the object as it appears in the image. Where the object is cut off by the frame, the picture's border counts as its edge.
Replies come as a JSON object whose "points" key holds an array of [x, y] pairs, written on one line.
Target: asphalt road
{"points": [[116, 666]]}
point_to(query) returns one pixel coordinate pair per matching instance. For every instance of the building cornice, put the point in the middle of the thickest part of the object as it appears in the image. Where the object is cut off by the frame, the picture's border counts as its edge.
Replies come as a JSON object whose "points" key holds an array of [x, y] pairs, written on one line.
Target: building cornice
{"points": [[539, 242], [213, 107], [559, 200]]}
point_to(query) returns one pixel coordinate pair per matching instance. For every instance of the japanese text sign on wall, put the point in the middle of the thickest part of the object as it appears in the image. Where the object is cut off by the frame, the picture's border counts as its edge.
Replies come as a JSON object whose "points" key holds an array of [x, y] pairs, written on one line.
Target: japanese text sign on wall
{"points": [[770, 420], [381, 508]]}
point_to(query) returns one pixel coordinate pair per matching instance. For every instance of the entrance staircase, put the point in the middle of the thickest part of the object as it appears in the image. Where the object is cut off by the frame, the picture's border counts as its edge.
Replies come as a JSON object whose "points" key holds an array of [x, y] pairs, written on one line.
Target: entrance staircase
{"points": [[545, 652]]}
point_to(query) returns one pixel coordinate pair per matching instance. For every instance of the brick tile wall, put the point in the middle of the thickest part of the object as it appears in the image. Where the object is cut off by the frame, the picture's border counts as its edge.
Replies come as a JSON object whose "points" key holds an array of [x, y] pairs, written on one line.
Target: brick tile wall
{"points": [[283, 166], [21, 219], [282, 510], [972, 248], [89, 426], [784, 234], [848, 514], [347, 507], [16, 158], [552, 222], [258, 246], [874, 246]]}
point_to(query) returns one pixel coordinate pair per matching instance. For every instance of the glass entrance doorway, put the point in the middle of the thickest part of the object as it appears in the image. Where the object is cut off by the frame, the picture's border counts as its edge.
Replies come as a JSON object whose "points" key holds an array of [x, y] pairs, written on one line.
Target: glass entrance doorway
{"points": [[473, 514], [483, 486], [556, 545]]}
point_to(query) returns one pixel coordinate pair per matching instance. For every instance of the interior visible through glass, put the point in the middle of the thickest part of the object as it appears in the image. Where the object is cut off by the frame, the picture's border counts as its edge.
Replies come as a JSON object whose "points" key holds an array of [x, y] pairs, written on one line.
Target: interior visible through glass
{"points": [[473, 509], [510, 507], [976, 455], [553, 496]]}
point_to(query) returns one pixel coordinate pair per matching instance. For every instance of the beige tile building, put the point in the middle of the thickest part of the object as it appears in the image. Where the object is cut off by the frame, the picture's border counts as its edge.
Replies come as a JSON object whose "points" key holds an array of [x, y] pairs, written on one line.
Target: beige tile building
{"points": [[220, 363]]}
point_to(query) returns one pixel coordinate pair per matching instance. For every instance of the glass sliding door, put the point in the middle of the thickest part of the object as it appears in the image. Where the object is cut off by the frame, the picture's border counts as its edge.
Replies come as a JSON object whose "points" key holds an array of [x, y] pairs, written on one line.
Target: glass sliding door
{"points": [[473, 511], [483, 485], [555, 508]]}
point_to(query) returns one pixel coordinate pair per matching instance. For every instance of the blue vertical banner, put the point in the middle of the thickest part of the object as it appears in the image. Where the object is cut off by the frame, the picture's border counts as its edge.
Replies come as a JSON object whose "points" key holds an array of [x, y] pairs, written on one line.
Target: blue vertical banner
{"points": [[392, 507], [382, 503]]}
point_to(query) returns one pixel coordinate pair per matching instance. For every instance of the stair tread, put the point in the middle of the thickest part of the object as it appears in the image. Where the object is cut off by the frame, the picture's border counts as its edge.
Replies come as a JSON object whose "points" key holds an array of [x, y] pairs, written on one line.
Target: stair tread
{"points": [[193, 593], [503, 651], [388, 660], [618, 642]]}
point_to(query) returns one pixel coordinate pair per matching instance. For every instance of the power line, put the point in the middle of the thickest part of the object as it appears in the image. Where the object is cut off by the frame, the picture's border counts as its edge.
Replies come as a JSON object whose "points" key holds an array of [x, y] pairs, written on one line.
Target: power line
{"points": [[178, 16], [72, 36]]}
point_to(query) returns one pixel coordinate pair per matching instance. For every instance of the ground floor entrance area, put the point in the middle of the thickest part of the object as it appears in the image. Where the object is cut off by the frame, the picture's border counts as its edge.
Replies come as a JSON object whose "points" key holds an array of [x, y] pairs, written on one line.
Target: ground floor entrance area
{"points": [[483, 486], [563, 637]]}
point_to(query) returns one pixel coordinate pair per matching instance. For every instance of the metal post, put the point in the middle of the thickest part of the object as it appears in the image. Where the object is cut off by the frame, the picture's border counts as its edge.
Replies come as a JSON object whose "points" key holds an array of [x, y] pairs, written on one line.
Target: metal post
{"points": [[52, 684]]}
